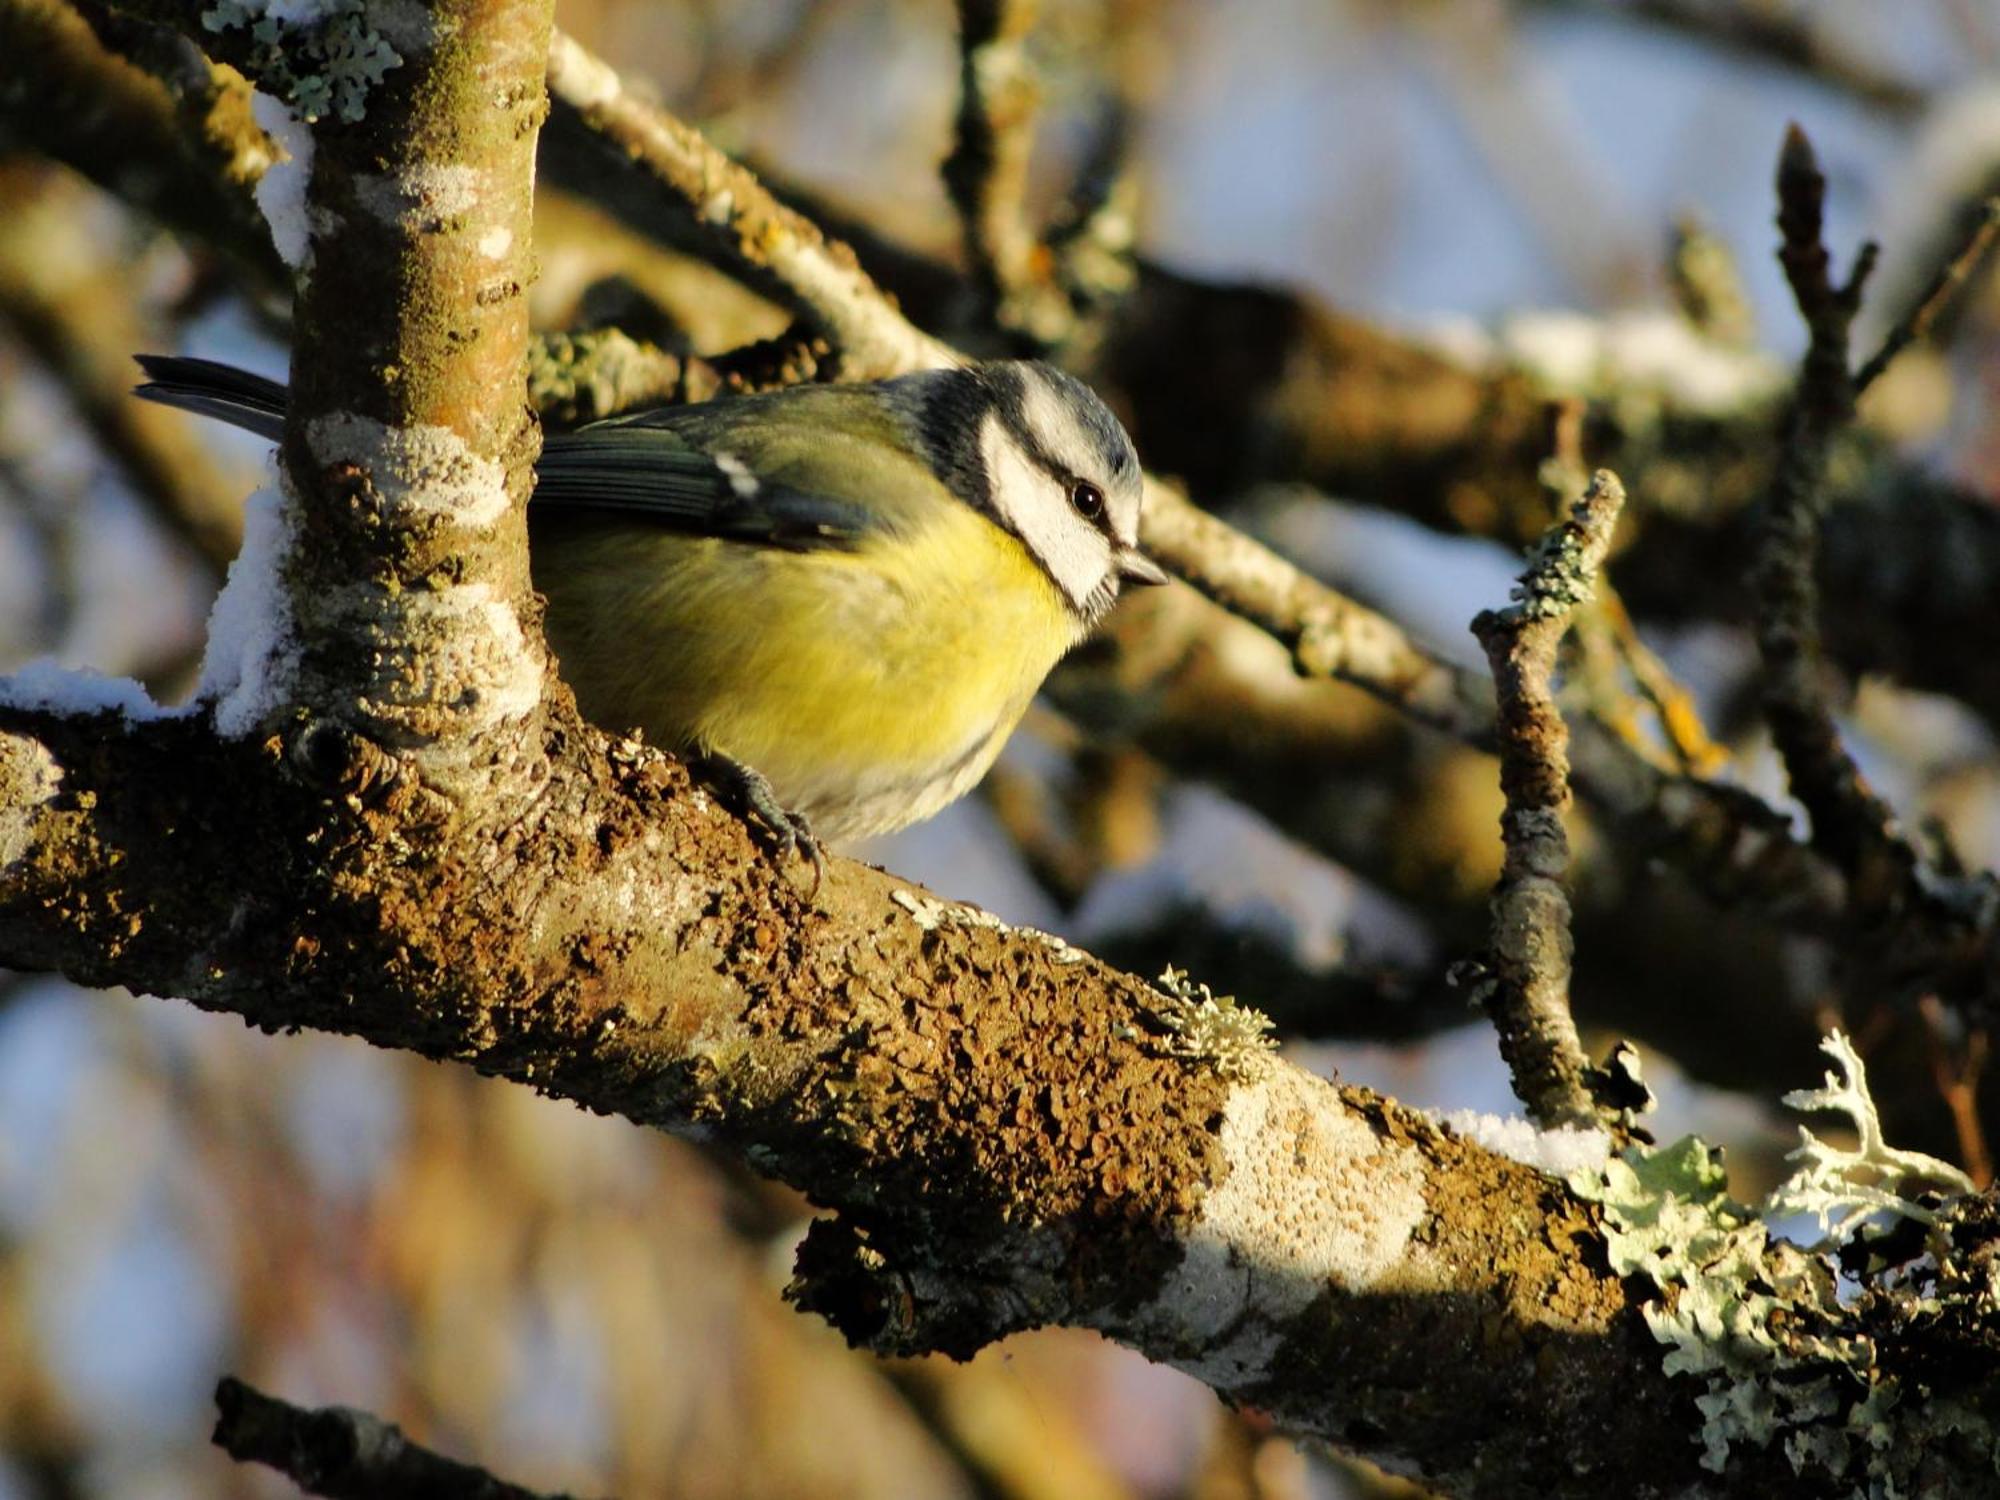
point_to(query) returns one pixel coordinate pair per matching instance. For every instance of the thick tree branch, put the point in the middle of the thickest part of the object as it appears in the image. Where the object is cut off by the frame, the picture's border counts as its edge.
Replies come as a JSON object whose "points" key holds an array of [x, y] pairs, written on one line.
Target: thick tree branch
{"points": [[1011, 1133]]}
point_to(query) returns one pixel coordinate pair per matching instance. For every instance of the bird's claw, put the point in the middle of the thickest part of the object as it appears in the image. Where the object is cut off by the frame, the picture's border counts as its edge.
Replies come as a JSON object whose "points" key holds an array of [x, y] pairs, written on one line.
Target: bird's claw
{"points": [[789, 831]]}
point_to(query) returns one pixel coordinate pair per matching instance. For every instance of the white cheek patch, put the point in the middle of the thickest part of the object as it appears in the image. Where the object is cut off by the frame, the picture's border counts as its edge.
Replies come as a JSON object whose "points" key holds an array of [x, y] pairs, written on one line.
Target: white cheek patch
{"points": [[1048, 411], [1035, 508]]}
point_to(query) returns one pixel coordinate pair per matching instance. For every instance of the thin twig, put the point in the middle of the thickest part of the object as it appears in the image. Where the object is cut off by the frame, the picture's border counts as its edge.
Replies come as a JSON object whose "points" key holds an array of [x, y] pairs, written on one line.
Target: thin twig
{"points": [[1732, 846], [1910, 924], [345, 1454], [772, 247], [1943, 288], [1620, 677], [1531, 947], [1731, 843], [1849, 821], [1673, 705], [1329, 635]]}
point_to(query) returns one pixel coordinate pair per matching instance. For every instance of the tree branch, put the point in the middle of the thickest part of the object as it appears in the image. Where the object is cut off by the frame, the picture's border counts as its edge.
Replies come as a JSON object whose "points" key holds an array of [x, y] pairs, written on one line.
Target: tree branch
{"points": [[986, 172], [1010, 1133], [66, 95], [1531, 947], [345, 1454], [1730, 843], [1942, 289], [1892, 897], [386, 820], [776, 250]]}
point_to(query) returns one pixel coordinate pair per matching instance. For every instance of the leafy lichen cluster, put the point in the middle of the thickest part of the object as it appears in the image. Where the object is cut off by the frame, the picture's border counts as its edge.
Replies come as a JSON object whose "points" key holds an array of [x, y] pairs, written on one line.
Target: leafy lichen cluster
{"points": [[1210, 1027], [321, 58], [1796, 1345]]}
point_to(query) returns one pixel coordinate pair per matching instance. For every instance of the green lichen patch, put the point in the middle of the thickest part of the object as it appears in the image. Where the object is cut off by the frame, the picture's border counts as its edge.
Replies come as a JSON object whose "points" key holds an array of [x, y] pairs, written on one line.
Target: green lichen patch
{"points": [[322, 59], [1791, 1345]]}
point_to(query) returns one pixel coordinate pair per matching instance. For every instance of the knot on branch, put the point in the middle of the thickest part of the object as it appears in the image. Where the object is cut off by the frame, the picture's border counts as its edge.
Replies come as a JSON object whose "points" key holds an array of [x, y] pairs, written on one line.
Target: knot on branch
{"points": [[899, 1305]]}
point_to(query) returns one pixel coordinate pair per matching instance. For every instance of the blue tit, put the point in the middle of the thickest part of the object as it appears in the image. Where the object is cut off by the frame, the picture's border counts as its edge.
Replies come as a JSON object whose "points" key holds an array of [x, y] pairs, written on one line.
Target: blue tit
{"points": [[842, 596]]}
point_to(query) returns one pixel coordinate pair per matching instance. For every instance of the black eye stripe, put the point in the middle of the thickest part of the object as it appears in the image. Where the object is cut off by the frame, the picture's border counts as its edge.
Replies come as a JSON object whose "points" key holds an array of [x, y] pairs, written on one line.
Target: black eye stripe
{"points": [[947, 410]]}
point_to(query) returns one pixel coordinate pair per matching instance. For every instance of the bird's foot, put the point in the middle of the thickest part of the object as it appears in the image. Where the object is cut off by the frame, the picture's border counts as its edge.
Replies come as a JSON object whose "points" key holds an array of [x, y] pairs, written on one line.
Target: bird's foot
{"points": [[747, 787]]}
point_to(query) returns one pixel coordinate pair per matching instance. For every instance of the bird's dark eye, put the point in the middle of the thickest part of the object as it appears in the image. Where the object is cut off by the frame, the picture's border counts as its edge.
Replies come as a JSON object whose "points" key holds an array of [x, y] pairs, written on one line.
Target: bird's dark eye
{"points": [[1087, 498]]}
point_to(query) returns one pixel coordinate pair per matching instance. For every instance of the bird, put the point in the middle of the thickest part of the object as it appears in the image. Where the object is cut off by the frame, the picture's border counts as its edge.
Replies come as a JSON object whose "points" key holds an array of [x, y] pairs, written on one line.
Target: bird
{"points": [[835, 600]]}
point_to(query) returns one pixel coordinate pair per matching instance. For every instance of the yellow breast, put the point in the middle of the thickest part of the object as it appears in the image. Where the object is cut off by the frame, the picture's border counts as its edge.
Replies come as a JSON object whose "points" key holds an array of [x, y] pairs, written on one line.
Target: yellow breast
{"points": [[869, 686]]}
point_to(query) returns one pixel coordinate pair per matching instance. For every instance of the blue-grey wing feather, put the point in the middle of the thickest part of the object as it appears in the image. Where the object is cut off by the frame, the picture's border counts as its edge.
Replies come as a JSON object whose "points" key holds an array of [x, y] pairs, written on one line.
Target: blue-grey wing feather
{"points": [[646, 469]]}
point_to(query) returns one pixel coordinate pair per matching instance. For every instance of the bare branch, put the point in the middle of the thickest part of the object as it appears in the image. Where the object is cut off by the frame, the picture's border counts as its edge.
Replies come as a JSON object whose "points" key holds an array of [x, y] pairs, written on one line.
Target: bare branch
{"points": [[775, 249], [66, 95], [345, 1454], [987, 170], [1848, 819], [1944, 287], [1893, 899], [1731, 844], [1328, 634], [1531, 947], [1009, 1132]]}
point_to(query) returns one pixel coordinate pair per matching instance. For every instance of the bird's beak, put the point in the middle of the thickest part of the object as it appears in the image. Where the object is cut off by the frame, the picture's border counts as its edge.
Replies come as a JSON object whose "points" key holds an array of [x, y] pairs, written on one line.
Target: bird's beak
{"points": [[1135, 567]]}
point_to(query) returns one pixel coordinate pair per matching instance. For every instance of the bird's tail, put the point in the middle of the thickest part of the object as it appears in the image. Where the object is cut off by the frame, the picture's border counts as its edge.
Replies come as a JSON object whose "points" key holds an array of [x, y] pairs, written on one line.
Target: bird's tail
{"points": [[215, 390]]}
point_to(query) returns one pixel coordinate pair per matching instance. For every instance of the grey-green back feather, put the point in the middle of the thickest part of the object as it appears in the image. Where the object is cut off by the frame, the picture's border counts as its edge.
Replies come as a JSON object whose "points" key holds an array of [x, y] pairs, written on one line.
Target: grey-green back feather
{"points": [[810, 469]]}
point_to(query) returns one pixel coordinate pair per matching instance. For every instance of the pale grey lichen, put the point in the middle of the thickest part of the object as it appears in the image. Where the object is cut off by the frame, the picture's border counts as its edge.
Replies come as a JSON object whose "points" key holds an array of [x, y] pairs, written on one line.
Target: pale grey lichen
{"points": [[932, 914], [1212, 1028], [1840, 1187], [1772, 1331], [322, 57]]}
